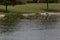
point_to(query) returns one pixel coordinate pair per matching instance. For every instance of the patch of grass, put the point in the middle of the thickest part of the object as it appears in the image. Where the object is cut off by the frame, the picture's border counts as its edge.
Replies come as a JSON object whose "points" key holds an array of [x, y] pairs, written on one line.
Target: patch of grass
{"points": [[53, 7], [12, 17], [35, 16]]}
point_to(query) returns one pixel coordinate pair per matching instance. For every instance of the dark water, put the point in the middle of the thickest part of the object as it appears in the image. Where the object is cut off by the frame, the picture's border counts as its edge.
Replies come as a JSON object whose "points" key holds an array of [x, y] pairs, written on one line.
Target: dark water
{"points": [[31, 30]]}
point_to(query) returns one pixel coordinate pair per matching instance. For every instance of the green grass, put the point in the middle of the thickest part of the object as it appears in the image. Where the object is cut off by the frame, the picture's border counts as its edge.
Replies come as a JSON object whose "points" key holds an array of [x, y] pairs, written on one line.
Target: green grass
{"points": [[33, 7], [12, 17], [15, 12]]}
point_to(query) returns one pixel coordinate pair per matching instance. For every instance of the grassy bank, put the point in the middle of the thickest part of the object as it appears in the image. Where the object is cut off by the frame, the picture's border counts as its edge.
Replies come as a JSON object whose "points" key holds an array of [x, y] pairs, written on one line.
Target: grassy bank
{"points": [[16, 12], [33, 7], [13, 17]]}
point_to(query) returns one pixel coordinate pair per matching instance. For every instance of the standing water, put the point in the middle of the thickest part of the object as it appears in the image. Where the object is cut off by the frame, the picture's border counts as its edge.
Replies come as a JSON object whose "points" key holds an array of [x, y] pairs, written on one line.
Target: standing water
{"points": [[26, 29]]}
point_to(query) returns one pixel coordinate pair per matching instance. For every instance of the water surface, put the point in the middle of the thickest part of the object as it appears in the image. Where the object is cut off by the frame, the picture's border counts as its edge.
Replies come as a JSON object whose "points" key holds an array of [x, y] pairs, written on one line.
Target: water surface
{"points": [[26, 29]]}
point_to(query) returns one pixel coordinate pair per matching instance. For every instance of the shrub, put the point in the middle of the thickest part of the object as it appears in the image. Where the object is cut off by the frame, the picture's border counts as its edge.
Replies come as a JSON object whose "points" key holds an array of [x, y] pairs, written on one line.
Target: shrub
{"points": [[12, 17]]}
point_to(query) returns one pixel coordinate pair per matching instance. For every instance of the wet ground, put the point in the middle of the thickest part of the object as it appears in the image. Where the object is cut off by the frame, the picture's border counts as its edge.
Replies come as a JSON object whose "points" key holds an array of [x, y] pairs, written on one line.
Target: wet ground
{"points": [[31, 30]]}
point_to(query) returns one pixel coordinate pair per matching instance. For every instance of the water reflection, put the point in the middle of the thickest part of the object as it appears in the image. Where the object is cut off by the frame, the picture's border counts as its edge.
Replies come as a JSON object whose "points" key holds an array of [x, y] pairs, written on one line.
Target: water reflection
{"points": [[26, 29], [26, 24], [7, 27]]}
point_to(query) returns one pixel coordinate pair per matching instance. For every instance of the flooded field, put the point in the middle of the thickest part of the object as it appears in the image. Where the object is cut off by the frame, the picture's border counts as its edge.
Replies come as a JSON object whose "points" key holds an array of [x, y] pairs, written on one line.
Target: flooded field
{"points": [[26, 29]]}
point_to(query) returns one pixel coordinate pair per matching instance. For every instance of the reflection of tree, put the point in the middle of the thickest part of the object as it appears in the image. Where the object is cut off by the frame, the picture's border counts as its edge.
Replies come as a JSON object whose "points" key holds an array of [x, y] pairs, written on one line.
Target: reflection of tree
{"points": [[8, 27], [49, 22]]}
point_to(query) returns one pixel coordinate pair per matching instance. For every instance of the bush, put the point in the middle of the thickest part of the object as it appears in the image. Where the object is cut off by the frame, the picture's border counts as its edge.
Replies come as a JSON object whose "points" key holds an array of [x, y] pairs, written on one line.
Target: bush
{"points": [[12, 17]]}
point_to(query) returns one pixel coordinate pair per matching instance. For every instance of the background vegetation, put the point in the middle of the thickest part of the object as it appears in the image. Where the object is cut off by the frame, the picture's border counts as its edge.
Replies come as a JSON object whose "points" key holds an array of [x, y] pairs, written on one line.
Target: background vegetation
{"points": [[33, 7]]}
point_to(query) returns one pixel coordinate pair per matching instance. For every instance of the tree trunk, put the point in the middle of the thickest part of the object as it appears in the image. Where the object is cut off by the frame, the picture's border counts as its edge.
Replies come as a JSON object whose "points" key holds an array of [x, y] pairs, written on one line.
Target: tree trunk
{"points": [[6, 8], [47, 4]]}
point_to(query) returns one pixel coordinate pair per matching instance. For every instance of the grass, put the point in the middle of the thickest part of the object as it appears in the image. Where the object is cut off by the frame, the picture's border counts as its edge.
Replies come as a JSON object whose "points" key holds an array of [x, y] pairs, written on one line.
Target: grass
{"points": [[12, 17], [16, 11], [33, 7]]}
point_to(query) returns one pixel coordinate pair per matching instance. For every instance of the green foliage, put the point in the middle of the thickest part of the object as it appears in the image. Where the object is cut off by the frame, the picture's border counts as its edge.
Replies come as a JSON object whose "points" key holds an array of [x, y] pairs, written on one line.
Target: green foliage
{"points": [[50, 1], [37, 15], [35, 1], [12, 17], [7, 2]]}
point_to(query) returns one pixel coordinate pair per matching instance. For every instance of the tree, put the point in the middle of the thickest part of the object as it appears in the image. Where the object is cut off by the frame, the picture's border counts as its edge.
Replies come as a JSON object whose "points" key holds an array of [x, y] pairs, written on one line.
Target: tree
{"points": [[7, 3], [47, 4], [51, 1], [35, 1]]}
